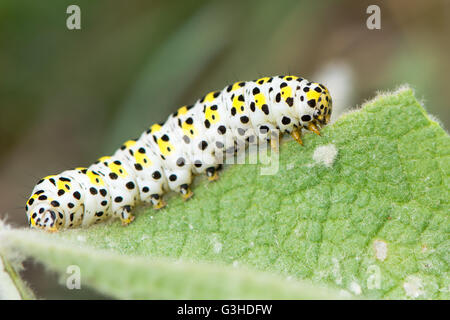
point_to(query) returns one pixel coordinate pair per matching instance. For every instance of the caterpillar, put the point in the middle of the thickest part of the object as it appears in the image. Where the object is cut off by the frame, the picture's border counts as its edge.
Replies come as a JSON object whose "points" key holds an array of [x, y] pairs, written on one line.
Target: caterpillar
{"points": [[193, 140]]}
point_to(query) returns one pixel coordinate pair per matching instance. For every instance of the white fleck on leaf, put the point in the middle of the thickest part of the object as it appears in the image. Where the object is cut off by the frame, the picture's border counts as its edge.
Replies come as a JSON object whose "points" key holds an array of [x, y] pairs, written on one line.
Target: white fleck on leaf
{"points": [[337, 271], [217, 246], [355, 288], [413, 286], [325, 155], [381, 249]]}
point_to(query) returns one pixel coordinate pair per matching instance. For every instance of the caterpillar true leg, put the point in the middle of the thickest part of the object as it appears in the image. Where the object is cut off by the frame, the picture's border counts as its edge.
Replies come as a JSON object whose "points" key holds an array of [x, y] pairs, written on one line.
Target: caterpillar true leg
{"points": [[297, 135], [312, 127]]}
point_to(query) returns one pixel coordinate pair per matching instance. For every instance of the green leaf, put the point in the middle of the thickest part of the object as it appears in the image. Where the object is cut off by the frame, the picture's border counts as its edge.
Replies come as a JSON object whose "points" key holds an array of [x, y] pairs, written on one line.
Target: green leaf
{"points": [[8, 286], [12, 286], [131, 277], [371, 219]]}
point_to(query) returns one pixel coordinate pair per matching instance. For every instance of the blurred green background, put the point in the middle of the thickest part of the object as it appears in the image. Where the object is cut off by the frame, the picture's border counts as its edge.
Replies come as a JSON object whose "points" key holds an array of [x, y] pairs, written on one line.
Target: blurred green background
{"points": [[70, 96]]}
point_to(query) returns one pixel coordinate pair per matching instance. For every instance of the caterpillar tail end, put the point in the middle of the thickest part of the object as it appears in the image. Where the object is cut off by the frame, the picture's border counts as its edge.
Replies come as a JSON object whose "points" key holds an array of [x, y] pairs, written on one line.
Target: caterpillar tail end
{"points": [[52, 229]]}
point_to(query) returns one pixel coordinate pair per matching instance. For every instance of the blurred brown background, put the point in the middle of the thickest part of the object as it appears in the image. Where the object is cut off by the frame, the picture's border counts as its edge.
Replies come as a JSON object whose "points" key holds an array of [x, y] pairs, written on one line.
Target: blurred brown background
{"points": [[68, 97]]}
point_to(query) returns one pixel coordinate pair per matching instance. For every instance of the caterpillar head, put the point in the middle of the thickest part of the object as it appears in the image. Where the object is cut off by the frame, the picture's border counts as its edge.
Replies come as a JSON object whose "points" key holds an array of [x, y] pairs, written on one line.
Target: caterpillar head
{"points": [[318, 98], [324, 105]]}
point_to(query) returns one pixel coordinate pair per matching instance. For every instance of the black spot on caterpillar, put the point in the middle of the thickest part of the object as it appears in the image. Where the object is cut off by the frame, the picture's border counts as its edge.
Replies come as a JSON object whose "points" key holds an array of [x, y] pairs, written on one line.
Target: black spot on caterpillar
{"points": [[166, 156]]}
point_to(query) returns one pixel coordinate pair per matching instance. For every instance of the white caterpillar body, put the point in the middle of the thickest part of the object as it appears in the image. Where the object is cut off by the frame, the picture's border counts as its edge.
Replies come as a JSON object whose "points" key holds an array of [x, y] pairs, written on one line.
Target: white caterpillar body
{"points": [[193, 140]]}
